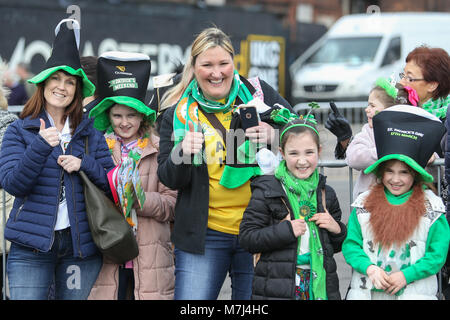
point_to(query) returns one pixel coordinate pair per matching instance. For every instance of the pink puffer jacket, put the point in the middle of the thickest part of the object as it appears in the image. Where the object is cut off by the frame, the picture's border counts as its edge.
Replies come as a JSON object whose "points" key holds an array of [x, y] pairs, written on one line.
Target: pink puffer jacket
{"points": [[154, 267]]}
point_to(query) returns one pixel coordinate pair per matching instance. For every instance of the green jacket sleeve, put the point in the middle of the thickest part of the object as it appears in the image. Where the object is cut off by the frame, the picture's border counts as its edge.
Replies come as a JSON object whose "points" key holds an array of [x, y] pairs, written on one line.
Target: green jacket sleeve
{"points": [[352, 248], [435, 252]]}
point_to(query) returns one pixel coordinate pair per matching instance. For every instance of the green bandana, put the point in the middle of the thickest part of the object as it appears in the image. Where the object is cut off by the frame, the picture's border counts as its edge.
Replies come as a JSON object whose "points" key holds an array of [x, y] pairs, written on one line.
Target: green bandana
{"points": [[187, 111], [303, 200], [437, 107]]}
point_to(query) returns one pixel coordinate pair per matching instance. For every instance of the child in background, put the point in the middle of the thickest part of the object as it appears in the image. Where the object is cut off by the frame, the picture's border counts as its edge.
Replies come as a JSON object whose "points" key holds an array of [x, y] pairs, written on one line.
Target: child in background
{"points": [[289, 222], [361, 152], [398, 236]]}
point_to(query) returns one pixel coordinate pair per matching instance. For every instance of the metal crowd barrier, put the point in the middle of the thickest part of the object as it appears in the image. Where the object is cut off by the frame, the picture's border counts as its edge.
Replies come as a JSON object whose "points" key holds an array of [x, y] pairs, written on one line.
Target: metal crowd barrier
{"points": [[322, 164]]}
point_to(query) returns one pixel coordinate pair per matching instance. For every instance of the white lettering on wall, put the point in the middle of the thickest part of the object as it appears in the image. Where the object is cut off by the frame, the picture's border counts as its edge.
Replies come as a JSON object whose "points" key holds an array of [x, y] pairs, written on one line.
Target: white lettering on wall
{"points": [[265, 53], [264, 61]]}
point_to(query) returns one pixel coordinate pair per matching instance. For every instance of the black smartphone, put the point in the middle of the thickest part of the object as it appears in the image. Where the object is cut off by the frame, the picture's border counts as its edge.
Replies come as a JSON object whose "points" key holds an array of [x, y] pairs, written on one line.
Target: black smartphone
{"points": [[249, 117]]}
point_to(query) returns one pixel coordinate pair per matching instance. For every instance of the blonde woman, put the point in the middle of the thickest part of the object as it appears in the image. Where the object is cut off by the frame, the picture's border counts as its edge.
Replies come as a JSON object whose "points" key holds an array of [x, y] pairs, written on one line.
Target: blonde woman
{"points": [[213, 190]]}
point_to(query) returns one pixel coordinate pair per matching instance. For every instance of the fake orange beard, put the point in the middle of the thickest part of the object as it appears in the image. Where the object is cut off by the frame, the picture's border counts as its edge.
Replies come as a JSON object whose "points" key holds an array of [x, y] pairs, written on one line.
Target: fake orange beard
{"points": [[394, 224]]}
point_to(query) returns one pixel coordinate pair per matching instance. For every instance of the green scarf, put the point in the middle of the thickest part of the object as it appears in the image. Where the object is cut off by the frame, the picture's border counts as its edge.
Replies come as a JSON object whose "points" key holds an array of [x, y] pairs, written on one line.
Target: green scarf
{"points": [[437, 107], [302, 197], [187, 111]]}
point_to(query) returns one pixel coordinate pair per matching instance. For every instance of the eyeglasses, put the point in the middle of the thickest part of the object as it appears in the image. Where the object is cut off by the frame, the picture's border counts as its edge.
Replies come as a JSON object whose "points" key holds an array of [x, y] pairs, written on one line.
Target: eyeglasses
{"points": [[409, 79]]}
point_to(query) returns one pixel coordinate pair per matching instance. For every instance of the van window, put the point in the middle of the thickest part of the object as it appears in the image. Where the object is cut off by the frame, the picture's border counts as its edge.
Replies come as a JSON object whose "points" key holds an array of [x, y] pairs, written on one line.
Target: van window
{"points": [[346, 50], [392, 52]]}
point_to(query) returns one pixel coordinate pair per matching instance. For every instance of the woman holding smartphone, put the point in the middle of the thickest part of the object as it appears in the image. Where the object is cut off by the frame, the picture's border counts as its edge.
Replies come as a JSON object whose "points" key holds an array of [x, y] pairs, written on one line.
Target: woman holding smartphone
{"points": [[214, 189]]}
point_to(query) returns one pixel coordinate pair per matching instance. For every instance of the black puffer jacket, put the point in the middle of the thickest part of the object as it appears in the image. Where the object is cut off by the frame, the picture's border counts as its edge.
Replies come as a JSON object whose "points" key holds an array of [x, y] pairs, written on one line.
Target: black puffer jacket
{"points": [[263, 231]]}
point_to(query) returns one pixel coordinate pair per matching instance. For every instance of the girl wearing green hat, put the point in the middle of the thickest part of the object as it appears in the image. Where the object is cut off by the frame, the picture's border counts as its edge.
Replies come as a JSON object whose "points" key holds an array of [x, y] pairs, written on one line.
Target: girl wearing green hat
{"points": [[122, 79], [361, 151], [398, 236]]}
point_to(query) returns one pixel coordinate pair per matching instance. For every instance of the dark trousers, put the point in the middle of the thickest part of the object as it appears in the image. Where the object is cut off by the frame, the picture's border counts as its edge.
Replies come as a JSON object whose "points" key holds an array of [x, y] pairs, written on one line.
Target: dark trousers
{"points": [[126, 284]]}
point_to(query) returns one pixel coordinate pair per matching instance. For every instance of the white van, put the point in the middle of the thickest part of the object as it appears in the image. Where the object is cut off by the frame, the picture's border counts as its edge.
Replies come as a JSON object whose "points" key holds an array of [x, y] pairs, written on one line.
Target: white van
{"points": [[344, 63]]}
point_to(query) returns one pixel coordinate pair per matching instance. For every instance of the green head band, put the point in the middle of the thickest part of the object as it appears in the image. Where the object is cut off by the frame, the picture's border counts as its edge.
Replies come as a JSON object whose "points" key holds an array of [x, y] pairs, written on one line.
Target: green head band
{"points": [[298, 125]]}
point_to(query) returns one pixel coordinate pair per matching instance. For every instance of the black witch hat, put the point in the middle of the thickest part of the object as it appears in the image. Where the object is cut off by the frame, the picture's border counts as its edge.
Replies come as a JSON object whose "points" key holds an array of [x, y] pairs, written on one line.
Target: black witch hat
{"points": [[409, 134], [122, 78]]}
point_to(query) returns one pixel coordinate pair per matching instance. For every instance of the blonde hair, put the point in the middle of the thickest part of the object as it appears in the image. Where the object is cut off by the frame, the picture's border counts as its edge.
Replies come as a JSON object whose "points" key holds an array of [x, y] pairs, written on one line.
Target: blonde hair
{"points": [[207, 39]]}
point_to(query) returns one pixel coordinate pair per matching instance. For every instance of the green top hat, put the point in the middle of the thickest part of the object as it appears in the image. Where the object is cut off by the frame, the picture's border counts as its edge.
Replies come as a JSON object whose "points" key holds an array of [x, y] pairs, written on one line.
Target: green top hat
{"points": [[409, 134], [122, 78], [65, 55]]}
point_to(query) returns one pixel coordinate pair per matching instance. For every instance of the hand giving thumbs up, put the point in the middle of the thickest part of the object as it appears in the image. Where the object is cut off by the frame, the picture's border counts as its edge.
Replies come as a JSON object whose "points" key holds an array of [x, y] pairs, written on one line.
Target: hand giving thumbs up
{"points": [[193, 141], [50, 135]]}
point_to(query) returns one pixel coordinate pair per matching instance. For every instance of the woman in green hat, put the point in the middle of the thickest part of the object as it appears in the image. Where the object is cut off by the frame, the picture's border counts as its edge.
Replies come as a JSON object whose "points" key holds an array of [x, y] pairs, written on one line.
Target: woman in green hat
{"points": [[41, 154]]}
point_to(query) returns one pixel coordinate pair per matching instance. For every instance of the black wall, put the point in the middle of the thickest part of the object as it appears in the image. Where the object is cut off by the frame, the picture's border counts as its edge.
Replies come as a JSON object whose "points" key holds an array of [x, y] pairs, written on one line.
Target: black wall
{"points": [[163, 31]]}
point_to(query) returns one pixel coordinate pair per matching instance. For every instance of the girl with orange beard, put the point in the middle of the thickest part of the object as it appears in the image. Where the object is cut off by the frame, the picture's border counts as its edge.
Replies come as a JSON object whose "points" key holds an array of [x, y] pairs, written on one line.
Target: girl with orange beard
{"points": [[398, 235]]}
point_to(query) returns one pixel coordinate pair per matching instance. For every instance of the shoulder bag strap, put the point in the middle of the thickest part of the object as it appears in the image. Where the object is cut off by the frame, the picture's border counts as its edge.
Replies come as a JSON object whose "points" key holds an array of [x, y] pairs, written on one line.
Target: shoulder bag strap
{"points": [[216, 124], [86, 139]]}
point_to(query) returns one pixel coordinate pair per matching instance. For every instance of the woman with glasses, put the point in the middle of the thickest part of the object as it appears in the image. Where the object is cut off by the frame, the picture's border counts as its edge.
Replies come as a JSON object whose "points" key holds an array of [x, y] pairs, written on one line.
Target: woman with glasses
{"points": [[427, 71]]}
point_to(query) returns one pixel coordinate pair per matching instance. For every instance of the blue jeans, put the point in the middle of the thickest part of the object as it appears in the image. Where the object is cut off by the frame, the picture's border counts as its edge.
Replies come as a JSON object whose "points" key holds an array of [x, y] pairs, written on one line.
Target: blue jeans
{"points": [[32, 274], [201, 276]]}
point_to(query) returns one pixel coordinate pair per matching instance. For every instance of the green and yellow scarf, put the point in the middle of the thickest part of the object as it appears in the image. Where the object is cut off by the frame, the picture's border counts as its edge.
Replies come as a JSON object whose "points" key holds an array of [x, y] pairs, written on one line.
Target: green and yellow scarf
{"points": [[302, 197], [187, 111]]}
